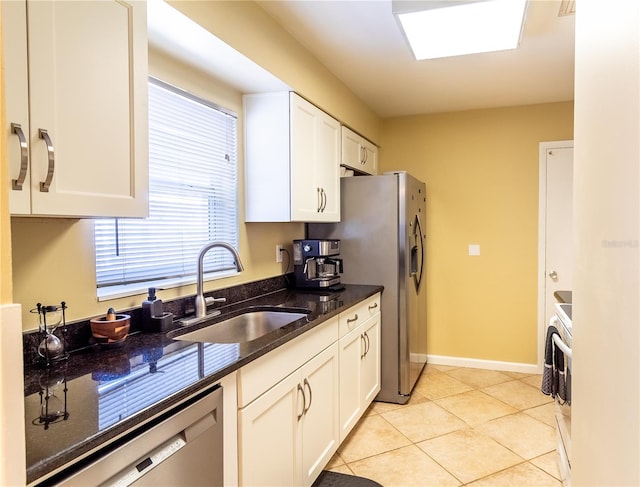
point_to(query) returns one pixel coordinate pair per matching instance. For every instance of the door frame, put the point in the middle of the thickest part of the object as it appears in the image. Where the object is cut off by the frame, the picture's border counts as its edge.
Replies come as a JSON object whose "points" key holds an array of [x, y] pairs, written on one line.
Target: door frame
{"points": [[542, 238]]}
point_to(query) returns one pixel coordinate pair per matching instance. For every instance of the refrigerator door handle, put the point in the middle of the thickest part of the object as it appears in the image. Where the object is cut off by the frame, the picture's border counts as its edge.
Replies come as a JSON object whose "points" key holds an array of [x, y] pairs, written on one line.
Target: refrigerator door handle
{"points": [[417, 253], [413, 270]]}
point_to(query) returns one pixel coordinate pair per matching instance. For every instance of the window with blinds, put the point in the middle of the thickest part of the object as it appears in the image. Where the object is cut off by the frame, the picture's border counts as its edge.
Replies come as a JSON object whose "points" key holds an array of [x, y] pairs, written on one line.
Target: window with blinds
{"points": [[192, 200]]}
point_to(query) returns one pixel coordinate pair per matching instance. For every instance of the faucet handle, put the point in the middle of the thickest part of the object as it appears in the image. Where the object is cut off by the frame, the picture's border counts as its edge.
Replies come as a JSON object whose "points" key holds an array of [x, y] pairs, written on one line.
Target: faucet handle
{"points": [[208, 301]]}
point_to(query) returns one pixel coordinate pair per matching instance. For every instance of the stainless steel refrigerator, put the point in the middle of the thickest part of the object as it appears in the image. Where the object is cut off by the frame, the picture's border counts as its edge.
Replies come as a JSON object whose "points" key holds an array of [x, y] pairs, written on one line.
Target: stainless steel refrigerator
{"points": [[382, 241]]}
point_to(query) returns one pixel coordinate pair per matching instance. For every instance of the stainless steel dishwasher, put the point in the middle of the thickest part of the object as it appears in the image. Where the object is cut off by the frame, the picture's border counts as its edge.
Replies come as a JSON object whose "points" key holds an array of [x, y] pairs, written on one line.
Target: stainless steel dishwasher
{"points": [[181, 447]]}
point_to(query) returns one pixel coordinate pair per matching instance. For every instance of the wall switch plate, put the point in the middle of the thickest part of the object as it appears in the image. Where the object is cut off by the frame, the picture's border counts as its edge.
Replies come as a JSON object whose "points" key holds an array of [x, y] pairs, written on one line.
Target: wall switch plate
{"points": [[474, 249], [279, 250]]}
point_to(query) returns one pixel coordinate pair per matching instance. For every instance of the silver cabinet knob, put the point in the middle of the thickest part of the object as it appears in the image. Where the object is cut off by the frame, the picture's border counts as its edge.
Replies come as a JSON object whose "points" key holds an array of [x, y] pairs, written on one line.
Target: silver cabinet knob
{"points": [[553, 275]]}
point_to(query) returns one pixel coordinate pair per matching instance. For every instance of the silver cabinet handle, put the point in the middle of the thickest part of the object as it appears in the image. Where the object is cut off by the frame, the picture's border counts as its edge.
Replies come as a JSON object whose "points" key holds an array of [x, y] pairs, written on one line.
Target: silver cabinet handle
{"points": [[44, 185], [304, 402], [322, 200], [351, 320], [16, 184], [364, 346], [367, 342], [553, 275], [364, 337], [308, 386]]}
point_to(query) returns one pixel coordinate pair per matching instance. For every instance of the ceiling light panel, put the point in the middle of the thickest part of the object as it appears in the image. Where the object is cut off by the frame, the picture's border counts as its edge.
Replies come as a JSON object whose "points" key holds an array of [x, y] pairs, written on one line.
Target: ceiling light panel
{"points": [[436, 29]]}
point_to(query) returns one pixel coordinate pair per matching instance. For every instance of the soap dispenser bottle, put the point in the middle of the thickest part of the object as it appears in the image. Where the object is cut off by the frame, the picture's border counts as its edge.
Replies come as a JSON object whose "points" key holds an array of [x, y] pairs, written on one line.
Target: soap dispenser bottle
{"points": [[152, 306], [154, 318]]}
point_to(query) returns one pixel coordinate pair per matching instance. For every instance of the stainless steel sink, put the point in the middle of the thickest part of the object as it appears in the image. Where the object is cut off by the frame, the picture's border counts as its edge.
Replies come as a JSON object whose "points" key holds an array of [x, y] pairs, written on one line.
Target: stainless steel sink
{"points": [[242, 328]]}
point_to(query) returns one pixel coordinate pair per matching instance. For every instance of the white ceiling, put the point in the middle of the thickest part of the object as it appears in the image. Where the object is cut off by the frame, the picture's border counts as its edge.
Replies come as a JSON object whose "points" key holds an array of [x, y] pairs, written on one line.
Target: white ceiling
{"points": [[361, 43]]}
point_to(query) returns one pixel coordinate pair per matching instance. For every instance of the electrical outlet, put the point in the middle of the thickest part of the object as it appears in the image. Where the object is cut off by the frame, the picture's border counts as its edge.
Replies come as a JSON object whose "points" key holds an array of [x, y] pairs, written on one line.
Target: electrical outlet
{"points": [[279, 250]]}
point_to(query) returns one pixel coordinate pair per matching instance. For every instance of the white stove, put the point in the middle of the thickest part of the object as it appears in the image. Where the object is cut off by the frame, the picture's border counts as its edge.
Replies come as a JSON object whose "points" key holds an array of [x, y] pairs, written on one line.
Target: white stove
{"points": [[563, 311], [564, 324]]}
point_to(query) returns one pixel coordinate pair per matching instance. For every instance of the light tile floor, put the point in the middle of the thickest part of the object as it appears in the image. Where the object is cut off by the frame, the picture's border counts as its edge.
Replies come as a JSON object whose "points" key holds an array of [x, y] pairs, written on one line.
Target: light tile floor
{"points": [[462, 426]]}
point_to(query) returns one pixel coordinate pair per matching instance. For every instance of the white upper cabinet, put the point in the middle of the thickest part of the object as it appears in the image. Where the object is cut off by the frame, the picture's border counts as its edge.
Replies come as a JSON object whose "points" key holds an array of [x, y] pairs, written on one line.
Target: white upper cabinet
{"points": [[358, 153], [292, 160], [76, 107]]}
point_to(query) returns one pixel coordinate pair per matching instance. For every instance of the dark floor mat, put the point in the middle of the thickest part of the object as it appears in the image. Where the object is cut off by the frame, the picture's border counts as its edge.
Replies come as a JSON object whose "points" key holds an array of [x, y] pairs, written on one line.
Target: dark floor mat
{"points": [[335, 479]]}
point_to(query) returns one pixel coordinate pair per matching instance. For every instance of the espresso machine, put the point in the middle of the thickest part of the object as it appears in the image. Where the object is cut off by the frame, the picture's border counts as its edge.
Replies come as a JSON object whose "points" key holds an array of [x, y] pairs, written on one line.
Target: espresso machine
{"points": [[315, 264]]}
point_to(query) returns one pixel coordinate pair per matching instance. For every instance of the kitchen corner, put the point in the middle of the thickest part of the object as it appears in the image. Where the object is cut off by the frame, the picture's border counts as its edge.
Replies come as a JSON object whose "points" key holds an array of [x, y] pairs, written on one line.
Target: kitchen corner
{"points": [[98, 394]]}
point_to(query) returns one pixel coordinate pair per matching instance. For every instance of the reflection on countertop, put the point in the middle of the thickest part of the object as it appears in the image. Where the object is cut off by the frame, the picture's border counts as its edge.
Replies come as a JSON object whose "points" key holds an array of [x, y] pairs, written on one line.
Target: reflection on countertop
{"points": [[99, 393]]}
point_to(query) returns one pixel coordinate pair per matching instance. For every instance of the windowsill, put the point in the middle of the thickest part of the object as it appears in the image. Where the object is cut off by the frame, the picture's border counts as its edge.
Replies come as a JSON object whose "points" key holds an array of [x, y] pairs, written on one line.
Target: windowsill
{"points": [[127, 290]]}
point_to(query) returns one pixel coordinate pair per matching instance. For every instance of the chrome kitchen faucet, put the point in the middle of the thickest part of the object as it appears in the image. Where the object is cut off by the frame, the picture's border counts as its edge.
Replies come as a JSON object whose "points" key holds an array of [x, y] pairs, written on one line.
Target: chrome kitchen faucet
{"points": [[201, 302]]}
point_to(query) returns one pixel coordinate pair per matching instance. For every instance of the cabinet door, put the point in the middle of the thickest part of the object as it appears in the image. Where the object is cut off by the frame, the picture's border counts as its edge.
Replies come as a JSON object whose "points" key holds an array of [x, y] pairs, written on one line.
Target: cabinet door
{"points": [[370, 363], [351, 150], [88, 90], [269, 436], [16, 105], [320, 429], [351, 348], [370, 156], [358, 153], [328, 164], [315, 171], [305, 193]]}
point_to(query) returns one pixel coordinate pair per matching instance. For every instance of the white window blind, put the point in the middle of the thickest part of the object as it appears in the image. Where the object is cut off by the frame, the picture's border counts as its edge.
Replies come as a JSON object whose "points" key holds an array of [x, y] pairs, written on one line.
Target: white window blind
{"points": [[192, 198]]}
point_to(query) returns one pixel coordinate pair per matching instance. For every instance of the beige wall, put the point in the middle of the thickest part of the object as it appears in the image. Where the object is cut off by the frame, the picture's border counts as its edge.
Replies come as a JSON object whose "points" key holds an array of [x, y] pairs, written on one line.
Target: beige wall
{"points": [[250, 30], [605, 421], [481, 172]]}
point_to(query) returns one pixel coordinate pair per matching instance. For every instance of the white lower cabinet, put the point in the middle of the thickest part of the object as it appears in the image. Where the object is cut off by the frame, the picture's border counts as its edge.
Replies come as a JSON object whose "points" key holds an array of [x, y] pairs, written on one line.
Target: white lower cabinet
{"points": [[370, 362], [289, 433], [359, 372], [297, 403]]}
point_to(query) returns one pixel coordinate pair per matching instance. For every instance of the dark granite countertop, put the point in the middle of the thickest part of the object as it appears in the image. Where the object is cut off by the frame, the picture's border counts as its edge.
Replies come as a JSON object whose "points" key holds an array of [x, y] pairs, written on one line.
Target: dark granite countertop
{"points": [[102, 393]]}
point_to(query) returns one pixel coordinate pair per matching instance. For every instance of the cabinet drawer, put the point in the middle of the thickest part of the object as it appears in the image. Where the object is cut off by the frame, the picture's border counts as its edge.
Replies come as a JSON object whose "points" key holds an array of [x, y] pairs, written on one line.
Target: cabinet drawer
{"points": [[358, 314], [261, 374]]}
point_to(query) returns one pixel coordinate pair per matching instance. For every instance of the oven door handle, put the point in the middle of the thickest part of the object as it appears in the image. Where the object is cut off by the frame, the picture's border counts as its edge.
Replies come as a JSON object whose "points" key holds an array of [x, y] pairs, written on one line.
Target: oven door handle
{"points": [[561, 345]]}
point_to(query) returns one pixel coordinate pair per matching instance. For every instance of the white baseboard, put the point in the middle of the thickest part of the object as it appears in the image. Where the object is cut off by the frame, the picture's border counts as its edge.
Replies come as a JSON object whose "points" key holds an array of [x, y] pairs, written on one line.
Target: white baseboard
{"points": [[484, 364]]}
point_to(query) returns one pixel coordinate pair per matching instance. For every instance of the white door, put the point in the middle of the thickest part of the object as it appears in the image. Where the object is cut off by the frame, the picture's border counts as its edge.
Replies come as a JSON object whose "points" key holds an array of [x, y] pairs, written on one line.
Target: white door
{"points": [[556, 223]]}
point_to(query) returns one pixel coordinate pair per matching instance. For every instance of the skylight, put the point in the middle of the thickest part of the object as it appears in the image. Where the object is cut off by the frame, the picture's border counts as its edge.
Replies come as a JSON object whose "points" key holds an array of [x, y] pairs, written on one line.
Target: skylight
{"points": [[437, 29]]}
